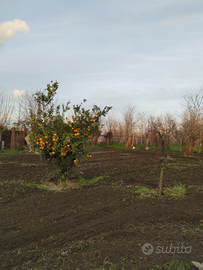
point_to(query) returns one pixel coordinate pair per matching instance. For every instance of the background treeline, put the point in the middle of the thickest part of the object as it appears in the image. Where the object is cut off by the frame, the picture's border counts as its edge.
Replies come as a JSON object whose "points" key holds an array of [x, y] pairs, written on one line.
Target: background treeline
{"points": [[132, 127]]}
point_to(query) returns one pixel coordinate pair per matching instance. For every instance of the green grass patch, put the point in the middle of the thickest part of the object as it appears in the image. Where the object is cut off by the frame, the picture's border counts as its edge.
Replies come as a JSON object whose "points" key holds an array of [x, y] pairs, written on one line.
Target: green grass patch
{"points": [[85, 182], [114, 145], [141, 147], [173, 148], [196, 188], [99, 145], [118, 145], [41, 186], [143, 190], [174, 265], [177, 191], [11, 152], [198, 149]]}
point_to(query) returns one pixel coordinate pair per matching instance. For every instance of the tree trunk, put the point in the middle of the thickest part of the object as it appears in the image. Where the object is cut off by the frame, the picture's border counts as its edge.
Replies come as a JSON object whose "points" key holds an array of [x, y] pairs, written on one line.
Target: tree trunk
{"points": [[188, 151], [162, 146], [96, 137], [147, 140], [160, 188]]}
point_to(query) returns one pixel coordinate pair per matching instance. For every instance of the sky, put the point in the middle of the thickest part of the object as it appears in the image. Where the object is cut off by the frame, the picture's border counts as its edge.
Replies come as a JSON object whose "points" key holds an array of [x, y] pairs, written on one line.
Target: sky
{"points": [[111, 52]]}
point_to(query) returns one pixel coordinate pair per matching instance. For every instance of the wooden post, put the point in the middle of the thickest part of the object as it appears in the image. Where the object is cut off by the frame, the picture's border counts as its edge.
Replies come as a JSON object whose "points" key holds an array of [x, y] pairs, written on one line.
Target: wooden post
{"points": [[13, 139], [161, 170], [157, 150], [160, 188]]}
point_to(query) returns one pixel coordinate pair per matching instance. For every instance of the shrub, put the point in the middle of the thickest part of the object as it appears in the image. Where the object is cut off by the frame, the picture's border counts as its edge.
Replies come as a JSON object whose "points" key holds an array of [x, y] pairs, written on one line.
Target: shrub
{"points": [[57, 139]]}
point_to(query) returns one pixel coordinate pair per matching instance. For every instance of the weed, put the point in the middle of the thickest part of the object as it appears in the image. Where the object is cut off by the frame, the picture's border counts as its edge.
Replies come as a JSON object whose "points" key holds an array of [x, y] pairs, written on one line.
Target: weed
{"points": [[64, 185]]}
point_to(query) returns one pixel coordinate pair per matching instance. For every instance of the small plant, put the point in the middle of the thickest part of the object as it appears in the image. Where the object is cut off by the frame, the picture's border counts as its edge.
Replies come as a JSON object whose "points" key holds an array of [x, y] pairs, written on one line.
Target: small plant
{"points": [[64, 185]]}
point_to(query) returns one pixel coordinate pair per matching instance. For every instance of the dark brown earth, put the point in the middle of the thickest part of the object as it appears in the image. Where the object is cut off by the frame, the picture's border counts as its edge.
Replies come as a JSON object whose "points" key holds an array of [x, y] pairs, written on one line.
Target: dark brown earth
{"points": [[103, 225]]}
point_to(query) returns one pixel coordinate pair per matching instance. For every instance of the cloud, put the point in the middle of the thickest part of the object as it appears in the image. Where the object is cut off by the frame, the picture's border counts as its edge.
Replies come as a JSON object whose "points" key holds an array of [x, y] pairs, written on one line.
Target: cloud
{"points": [[18, 94], [8, 29]]}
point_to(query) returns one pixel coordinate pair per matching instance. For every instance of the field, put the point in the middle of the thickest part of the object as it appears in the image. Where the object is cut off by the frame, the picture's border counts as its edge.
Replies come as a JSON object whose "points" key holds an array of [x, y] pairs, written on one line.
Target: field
{"points": [[104, 223]]}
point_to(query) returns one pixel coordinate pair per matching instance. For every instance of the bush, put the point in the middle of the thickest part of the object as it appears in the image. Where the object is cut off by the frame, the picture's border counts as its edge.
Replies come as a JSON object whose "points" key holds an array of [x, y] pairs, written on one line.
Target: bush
{"points": [[58, 140]]}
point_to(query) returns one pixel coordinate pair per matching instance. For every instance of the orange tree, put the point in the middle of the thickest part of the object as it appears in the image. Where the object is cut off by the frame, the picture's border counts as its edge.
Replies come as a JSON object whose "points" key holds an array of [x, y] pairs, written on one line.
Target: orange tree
{"points": [[60, 141]]}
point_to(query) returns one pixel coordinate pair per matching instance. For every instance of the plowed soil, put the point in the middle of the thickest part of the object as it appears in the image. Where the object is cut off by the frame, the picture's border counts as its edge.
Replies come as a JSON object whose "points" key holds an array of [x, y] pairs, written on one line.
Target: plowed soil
{"points": [[102, 225]]}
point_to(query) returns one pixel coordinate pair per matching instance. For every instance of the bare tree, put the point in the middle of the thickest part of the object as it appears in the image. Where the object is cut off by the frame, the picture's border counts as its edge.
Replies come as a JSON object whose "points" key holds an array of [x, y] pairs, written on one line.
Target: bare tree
{"points": [[191, 128], [26, 104], [6, 111], [164, 127], [190, 131], [120, 131], [109, 124], [142, 124], [128, 118], [193, 101], [110, 129]]}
